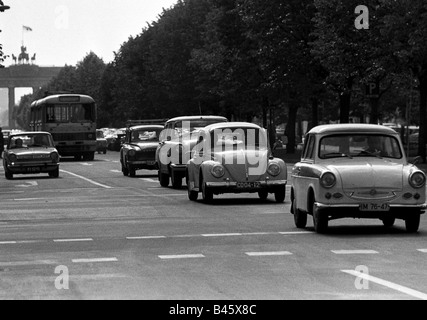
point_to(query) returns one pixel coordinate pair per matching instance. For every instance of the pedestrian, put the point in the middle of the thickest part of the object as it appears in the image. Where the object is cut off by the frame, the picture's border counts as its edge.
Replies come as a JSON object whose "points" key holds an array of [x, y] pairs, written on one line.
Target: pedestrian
{"points": [[1, 143]]}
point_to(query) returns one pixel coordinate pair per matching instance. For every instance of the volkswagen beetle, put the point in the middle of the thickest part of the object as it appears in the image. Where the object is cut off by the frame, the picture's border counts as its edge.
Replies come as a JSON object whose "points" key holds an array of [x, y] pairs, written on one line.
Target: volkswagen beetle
{"points": [[235, 158], [356, 171], [31, 153]]}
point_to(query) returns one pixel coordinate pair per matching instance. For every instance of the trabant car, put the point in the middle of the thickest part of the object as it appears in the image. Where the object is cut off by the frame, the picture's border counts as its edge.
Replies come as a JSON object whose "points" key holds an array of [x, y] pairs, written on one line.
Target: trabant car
{"points": [[235, 157], [31, 153], [101, 142], [139, 149], [356, 171], [176, 142]]}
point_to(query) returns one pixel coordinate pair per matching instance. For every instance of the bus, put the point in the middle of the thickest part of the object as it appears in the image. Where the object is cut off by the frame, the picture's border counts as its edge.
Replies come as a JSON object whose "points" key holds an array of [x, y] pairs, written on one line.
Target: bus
{"points": [[71, 119]]}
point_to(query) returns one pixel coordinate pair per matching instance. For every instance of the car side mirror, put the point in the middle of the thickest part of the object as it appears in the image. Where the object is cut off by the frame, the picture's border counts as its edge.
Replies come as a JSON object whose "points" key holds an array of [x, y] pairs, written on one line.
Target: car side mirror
{"points": [[416, 160]]}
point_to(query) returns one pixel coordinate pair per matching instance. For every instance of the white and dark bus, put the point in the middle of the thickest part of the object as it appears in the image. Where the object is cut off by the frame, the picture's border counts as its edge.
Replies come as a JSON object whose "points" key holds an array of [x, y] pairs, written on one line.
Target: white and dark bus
{"points": [[71, 119]]}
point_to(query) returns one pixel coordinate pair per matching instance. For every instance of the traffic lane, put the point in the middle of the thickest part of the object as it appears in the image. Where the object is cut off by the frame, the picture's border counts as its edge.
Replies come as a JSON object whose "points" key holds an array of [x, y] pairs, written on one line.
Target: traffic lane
{"points": [[305, 266]]}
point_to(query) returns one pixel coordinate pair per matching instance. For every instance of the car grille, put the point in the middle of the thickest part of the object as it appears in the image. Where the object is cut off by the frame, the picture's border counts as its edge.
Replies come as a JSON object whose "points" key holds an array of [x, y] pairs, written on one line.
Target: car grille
{"points": [[32, 157], [73, 136]]}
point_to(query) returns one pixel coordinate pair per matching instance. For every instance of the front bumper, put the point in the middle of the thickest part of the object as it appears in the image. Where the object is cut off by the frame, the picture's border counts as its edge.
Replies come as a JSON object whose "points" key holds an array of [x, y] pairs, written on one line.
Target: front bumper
{"points": [[33, 167], [142, 164]]}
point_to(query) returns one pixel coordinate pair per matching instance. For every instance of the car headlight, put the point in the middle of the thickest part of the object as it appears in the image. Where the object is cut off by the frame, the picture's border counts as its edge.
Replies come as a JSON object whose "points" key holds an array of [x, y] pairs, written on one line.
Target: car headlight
{"points": [[13, 158], [54, 156], [132, 153], [274, 169], [417, 180], [328, 180], [218, 171]]}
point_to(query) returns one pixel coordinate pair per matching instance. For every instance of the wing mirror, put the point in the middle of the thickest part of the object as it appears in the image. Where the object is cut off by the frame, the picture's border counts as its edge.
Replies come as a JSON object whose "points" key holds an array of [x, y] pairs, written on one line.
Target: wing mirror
{"points": [[416, 160]]}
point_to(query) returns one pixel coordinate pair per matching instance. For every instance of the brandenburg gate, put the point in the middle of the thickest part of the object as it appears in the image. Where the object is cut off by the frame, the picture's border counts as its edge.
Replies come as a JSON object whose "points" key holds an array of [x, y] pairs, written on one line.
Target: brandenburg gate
{"points": [[24, 76]]}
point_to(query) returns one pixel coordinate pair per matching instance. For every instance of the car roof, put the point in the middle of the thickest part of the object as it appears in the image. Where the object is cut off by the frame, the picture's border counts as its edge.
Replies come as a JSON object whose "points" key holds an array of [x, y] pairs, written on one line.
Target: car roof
{"points": [[183, 118], [23, 133], [351, 128], [223, 125], [148, 126]]}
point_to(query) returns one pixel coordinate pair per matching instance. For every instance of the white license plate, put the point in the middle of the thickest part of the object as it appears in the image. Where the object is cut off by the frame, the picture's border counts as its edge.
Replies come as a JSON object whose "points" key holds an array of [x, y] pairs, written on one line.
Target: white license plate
{"points": [[374, 207], [248, 185]]}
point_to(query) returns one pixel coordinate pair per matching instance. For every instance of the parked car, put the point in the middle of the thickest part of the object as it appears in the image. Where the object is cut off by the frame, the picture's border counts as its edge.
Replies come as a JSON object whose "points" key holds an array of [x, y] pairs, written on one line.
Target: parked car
{"points": [[235, 158], [139, 149], [176, 141], [356, 171], [101, 142], [31, 153]]}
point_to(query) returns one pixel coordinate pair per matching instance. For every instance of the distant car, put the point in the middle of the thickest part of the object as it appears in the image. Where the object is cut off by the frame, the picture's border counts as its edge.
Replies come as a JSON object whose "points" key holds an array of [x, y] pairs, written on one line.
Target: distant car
{"points": [[31, 153], [139, 149], [178, 138], [101, 142], [235, 158], [116, 139], [356, 171]]}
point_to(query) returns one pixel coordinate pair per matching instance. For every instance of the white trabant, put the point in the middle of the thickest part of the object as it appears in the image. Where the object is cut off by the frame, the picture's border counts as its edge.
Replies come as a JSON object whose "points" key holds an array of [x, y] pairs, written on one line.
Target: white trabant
{"points": [[235, 157], [356, 171]]}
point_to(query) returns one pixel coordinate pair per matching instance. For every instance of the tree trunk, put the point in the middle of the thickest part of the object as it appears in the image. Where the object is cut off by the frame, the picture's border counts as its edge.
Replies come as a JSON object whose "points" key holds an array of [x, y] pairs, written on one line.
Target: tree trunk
{"points": [[423, 116], [374, 102], [315, 112], [290, 129]]}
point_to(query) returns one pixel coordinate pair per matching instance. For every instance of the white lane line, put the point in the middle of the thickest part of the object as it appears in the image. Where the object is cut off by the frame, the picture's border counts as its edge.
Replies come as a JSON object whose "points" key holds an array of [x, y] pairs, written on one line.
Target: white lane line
{"points": [[115, 171], [86, 179], [94, 260], [355, 252], [295, 233], [145, 237], [149, 180], [86, 164], [266, 254], [422, 250], [388, 284], [73, 240], [28, 263], [8, 242], [222, 235], [182, 256]]}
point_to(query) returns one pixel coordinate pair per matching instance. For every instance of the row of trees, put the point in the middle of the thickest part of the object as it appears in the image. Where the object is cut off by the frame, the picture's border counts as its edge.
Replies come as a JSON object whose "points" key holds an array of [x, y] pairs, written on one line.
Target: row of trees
{"points": [[281, 61]]}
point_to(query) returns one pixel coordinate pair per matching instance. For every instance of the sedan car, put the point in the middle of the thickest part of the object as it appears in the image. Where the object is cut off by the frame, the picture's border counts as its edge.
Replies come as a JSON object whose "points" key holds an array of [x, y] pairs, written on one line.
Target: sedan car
{"points": [[356, 171], [139, 149], [235, 158], [101, 142], [31, 153], [178, 138]]}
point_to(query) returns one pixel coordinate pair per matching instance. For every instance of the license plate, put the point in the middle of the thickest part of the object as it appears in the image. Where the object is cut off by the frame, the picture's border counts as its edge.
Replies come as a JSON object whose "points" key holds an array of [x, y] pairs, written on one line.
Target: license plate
{"points": [[369, 207], [248, 185], [33, 170]]}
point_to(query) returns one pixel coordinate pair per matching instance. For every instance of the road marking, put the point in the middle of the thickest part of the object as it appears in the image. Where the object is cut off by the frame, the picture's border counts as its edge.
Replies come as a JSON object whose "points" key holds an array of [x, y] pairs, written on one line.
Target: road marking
{"points": [[273, 253], [355, 252], [73, 240], [86, 164], [182, 256], [8, 242], [86, 179], [94, 260], [28, 263], [222, 235], [115, 171], [149, 180], [29, 199], [28, 184], [296, 233], [388, 284], [145, 238], [422, 250]]}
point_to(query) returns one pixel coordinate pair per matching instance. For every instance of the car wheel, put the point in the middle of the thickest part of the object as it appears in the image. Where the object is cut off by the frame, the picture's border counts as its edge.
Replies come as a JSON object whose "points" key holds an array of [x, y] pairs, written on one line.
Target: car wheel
{"points": [[125, 171], [263, 195], [320, 220], [206, 193], [54, 174], [132, 172], [389, 222], [412, 222], [105, 151], [8, 175], [300, 217], [163, 179], [280, 195], [176, 181]]}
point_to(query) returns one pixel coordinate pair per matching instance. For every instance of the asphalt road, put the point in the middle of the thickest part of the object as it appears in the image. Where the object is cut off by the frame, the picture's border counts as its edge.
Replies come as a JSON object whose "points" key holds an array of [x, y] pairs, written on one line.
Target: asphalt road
{"points": [[95, 234]]}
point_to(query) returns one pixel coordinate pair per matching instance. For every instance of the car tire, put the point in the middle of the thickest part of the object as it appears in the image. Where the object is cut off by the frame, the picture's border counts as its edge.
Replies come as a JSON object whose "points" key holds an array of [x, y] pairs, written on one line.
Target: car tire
{"points": [[206, 193], [263, 195], [125, 171], [280, 195], [54, 174], [163, 179], [132, 172], [176, 181], [300, 217], [320, 220], [412, 222], [389, 222], [8, 175]]}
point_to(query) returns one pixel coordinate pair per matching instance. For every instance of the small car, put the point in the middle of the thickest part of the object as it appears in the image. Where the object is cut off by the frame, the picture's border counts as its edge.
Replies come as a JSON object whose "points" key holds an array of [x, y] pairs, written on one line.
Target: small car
{"points": [[101, 142], [356, 171], [31, 153], [139, 149], [235, 157], [176, 141]]}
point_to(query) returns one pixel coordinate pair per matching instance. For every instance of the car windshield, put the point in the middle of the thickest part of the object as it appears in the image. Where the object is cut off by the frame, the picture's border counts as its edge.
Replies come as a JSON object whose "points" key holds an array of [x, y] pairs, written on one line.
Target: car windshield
{"points": [[146, 135], [238, 138], [100, 134], [186, 128], [31, 141], [360, 145]]}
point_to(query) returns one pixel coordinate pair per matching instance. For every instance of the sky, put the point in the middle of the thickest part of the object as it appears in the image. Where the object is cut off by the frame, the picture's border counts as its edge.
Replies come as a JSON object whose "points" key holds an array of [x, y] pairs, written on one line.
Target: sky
{"points": [[65, 31]]}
